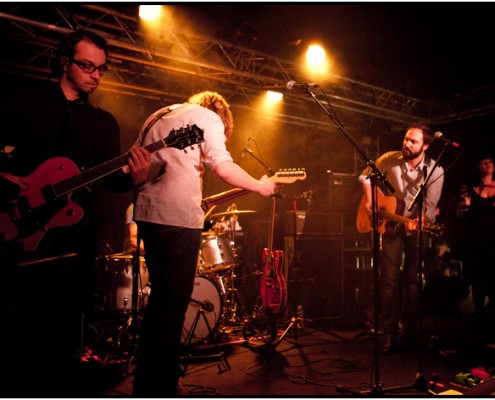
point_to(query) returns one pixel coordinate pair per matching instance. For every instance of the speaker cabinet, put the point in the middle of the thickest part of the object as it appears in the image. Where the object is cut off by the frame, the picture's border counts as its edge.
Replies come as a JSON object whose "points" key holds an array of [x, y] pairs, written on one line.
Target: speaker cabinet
{"points": [[316, 281]]}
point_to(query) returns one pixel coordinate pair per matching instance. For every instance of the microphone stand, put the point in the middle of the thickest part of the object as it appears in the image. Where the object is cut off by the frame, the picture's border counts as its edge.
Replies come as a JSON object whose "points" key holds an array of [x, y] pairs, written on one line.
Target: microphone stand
{"points": [[377, 179]]}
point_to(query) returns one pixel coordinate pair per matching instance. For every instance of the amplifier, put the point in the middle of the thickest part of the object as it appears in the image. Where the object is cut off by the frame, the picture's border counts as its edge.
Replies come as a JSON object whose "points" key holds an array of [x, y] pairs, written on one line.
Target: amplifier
{"points": [[309, 223], [344, 191]]}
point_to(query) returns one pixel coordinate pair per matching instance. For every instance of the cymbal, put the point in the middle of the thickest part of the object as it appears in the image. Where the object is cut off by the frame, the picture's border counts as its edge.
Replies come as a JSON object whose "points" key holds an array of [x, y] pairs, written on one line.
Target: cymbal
{"points": [[233, 212]]}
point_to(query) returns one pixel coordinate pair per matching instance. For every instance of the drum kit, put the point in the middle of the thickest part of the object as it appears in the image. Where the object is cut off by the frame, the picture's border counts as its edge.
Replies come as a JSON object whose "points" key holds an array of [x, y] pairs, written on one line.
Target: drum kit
{"points": [[214, 286]]}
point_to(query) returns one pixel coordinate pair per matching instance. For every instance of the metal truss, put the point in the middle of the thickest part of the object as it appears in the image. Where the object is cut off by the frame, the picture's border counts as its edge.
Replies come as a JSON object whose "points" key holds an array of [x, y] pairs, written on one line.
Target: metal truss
{"points": [[175, 63]]}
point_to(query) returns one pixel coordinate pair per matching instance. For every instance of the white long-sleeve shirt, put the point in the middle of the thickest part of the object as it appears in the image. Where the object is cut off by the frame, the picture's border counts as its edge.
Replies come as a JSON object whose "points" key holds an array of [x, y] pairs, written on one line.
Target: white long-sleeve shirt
{"points": [[172, 192]]}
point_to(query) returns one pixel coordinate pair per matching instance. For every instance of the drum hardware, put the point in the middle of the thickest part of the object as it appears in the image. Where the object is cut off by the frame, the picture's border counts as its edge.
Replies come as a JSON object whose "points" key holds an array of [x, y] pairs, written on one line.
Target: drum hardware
{"points": [[201, 328], [205, 296], [232, 302], [125, 341]]}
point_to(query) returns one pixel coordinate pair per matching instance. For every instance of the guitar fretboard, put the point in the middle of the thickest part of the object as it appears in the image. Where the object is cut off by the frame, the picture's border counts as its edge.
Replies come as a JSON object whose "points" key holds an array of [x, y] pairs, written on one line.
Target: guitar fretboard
{"points": [[179, 139]]}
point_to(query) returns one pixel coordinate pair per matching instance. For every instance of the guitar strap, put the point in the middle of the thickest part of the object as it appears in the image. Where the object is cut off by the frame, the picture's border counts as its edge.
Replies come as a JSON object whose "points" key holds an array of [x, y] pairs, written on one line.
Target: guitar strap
{"points": [[153, 121]]}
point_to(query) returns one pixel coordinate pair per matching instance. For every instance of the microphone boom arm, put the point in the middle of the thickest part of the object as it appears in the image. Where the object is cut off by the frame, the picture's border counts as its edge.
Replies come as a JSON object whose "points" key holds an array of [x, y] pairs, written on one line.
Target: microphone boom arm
{"points": [[270, 171]]}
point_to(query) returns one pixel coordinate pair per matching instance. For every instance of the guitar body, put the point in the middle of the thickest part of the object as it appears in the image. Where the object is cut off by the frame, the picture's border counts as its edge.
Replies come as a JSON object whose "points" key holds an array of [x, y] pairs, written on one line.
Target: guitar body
{"points": [[33, 214], [363, 220], [388, 210], [273, 285], [46, 203]]}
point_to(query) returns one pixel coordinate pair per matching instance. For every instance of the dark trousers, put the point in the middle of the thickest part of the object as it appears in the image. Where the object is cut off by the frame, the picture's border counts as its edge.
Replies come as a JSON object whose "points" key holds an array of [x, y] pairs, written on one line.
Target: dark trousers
{"points": [[171, 258], [399, 295]]}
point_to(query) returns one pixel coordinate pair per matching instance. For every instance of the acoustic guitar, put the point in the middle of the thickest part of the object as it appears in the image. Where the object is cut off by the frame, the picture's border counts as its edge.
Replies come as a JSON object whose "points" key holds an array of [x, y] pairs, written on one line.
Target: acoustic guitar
{"points": [[387, 208]]}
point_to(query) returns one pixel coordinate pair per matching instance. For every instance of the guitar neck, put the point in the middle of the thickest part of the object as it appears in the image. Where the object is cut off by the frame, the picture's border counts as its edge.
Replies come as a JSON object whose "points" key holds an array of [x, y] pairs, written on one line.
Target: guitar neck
{"points": [[178, 138], [91, 175], [209, 202], [282, 176], [272, 226]]}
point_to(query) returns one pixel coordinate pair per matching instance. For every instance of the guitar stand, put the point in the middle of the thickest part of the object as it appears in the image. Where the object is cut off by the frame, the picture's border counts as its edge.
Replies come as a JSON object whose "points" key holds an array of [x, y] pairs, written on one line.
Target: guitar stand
{"points": [[223, 363], [296, 320]]}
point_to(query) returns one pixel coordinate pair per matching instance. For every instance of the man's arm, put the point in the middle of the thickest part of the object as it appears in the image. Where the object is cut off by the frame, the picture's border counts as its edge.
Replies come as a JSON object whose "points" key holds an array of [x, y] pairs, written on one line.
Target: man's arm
{"points": [[234, 175]]}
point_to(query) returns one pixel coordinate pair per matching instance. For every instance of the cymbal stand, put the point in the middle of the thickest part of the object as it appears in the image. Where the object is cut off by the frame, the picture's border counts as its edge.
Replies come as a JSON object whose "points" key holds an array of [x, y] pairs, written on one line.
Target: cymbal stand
{"points": [[232, 300]]}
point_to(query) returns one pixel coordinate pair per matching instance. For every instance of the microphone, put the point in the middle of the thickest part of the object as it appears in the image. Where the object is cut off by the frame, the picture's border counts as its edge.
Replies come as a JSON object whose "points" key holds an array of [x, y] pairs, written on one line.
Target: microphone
{"points": [[440, 135], [293, 85], [246, 147], [206, 305]]}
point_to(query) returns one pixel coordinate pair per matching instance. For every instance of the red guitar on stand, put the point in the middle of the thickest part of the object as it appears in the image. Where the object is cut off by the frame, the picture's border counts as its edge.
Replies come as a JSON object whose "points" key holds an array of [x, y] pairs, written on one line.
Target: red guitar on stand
{"points": [[273, 285]]}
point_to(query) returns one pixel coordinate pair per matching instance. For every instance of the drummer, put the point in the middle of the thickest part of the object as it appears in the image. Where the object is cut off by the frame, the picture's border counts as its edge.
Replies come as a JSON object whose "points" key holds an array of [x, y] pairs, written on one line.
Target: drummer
{"points": [[229, 227], [131, 232]]}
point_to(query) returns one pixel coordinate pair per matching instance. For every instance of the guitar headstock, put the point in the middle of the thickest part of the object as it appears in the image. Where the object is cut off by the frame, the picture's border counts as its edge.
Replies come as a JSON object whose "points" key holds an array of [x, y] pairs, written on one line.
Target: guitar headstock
{"points": [[289, 175], [184, 137]]}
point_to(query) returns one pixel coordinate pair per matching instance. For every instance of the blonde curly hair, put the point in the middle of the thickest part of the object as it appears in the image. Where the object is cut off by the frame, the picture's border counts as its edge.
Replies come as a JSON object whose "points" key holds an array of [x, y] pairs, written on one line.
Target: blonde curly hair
{"points": [[216, 103]]}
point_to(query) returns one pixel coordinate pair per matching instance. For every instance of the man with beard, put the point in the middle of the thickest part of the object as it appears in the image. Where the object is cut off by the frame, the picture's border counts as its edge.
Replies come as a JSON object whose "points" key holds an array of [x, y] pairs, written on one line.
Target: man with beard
{"points": [[405, 170]]}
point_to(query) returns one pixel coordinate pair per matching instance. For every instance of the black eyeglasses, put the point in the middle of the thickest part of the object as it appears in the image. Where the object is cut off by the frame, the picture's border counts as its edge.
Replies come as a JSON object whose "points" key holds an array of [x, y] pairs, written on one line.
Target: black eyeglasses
{"points": [[89, 67]]}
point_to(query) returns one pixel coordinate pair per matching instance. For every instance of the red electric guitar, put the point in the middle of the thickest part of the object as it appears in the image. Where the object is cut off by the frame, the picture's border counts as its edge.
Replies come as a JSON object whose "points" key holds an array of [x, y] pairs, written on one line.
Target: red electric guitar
{"points": [[46, 203], [273, 285]]}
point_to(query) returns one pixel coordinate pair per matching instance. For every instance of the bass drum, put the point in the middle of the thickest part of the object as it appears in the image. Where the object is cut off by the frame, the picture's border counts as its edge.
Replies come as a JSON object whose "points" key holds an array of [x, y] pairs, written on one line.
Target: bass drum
{"points": [[205, 296]]}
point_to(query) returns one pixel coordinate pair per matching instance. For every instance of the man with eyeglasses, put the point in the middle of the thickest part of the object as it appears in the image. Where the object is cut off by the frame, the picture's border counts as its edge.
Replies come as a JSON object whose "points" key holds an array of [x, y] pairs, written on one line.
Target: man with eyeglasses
{"points": [[59, 277]]}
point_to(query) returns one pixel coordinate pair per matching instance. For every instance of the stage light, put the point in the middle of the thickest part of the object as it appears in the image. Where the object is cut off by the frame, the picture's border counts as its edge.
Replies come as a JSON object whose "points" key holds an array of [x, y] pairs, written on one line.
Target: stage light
{"points": [[273, 97], [150, 12], [315, 55], [317, 63]]}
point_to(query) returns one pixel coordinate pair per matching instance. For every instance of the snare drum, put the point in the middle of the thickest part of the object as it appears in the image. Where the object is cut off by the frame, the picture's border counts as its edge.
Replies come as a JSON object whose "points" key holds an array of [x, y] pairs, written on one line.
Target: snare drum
{"points": [[215, 254], [118, 283]]}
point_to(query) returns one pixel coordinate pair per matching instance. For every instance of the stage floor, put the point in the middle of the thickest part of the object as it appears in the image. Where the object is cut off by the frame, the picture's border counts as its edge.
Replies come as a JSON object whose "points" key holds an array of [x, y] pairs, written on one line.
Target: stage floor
{"points": [[327, 357]]}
